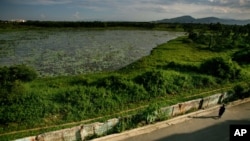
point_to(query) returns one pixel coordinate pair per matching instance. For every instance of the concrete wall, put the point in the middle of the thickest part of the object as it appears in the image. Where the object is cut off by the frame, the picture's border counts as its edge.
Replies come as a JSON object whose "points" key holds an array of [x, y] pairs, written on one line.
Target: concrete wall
{"points": [[83, 131], [32, 138], [76, 133], [196, 104], [70, 134], [167, 111], [185, 107]]}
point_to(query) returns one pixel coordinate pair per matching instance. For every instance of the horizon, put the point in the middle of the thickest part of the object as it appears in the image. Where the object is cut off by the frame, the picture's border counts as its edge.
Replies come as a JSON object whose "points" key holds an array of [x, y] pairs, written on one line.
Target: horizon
{"points": [[121, 10], [26, 20]]}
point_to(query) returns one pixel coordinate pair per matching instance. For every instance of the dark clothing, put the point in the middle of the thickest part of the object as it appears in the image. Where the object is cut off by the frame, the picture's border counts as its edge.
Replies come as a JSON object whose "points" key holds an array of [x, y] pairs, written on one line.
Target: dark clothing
{"points": [[222, 110]]}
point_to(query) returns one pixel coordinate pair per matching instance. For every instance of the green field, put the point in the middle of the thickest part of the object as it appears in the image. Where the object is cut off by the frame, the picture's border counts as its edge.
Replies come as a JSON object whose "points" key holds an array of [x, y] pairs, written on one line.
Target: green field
{"points": [[175, 71]]}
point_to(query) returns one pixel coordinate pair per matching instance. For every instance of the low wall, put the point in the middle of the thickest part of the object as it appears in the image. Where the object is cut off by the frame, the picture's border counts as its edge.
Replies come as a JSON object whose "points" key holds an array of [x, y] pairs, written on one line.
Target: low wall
{"points": [[76, 133], [83, 131], [184, 107], [196, 104]]}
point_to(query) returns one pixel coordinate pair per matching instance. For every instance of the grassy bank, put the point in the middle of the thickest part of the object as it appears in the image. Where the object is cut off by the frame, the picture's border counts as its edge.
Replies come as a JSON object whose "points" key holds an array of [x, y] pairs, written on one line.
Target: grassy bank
{"points": [[172, 73]]}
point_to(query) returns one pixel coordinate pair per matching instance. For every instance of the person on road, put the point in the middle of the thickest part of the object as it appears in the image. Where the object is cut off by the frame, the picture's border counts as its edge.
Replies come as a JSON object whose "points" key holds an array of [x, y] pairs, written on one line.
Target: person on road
{"points": [[222, 110]]}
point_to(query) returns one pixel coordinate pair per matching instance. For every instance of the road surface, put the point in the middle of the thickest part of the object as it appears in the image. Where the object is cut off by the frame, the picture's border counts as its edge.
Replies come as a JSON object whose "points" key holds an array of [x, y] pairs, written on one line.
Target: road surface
{"points": [[201, 128]]}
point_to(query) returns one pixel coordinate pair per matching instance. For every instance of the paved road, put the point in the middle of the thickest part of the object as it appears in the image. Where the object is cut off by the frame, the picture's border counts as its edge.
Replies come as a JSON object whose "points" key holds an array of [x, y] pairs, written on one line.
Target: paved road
{"points": [[201, 128]]}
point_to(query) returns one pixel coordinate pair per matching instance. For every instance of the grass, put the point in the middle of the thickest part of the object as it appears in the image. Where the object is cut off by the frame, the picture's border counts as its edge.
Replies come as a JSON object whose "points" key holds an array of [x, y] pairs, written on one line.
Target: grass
{"points": [[183, 54], [162, 101], [174, 51]]}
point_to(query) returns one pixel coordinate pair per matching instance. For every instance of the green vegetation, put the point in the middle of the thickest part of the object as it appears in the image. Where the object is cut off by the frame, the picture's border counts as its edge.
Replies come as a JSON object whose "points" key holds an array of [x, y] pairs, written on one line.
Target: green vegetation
{"points": [[172, 73], [220, 67], [239, 92], [242, 56], [94, 24]]}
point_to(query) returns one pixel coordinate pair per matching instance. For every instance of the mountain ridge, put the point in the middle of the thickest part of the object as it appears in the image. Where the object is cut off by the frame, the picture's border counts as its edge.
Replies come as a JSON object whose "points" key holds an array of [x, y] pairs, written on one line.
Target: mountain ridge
{"points": [[205, 20]]}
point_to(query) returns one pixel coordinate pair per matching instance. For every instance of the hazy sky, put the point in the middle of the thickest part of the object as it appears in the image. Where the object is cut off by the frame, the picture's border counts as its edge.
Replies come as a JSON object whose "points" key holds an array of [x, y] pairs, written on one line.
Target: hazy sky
{"points": [[121, 10]]}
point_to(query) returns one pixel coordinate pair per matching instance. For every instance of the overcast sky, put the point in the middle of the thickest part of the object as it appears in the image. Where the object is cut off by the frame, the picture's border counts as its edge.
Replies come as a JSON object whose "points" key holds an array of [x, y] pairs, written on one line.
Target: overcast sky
{"points": [[121, 10]]}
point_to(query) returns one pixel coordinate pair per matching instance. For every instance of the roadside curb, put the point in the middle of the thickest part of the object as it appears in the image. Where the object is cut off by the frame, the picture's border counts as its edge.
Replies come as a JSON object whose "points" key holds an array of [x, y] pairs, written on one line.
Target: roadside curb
{"points": [[166, 123]]}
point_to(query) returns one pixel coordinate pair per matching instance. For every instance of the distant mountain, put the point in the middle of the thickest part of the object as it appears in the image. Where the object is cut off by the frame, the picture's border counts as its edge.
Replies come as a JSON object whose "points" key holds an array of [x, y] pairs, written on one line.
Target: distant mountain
{"points": [[207, 20]]}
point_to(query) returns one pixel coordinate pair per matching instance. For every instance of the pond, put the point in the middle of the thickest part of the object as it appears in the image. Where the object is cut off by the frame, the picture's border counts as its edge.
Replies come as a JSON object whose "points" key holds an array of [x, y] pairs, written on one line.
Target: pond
{"points": [[67, 52]]}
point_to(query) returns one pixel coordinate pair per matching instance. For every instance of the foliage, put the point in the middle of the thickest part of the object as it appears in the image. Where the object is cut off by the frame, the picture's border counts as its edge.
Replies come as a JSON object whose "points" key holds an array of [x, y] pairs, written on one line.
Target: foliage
{"points": [[126, 89], [17, 72], [238, 92], [221, 67], [220, 37], [153, 82], [21, 108], [11, 85], [150, 114], [182, 67], [242, 56], [147, 116]]}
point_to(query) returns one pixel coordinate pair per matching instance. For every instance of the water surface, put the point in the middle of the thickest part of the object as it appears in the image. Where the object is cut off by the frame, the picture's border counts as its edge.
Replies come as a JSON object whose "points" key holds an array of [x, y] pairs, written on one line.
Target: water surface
{"points": [[53, 52]]}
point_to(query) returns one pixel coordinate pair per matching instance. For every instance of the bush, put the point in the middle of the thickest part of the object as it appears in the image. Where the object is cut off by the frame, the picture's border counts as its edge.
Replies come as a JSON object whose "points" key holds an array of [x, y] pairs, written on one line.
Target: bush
{"points": [[113, 82], [22, 72], [238, 92], [153, 82], [17, 72], [220, 67], [23, 108], [150, 114], [241, 91], [182, 67], [193, 36], [124, 88], [242, 56], [202, 81]]}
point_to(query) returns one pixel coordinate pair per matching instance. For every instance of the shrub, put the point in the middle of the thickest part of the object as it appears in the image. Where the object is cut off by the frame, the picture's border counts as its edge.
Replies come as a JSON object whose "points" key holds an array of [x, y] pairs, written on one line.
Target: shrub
{"points": [[22, 72], [76, 101], [220, 67], [193, 36], [182, 67], [150, 114], [22, 108], [241, 91], [238, 92], [124, 88], [12, 93], [17, 72], [202, 81], [153, 82], [242, 56], [113, 82]]}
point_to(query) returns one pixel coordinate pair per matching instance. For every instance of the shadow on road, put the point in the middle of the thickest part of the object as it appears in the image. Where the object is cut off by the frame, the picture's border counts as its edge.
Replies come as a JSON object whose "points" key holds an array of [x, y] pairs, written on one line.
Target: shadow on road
{"points": [[213, 117], [218, 132]]}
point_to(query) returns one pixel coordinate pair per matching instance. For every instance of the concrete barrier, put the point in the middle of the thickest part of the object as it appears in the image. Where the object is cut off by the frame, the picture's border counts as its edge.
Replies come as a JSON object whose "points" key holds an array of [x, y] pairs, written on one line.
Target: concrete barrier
{"points": [[87, 130], [103, 128], [167, 111], [32, 138], [185, 107], [190, 105], [83, 131], [71, 134], [76, 133], [196, 104]]}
